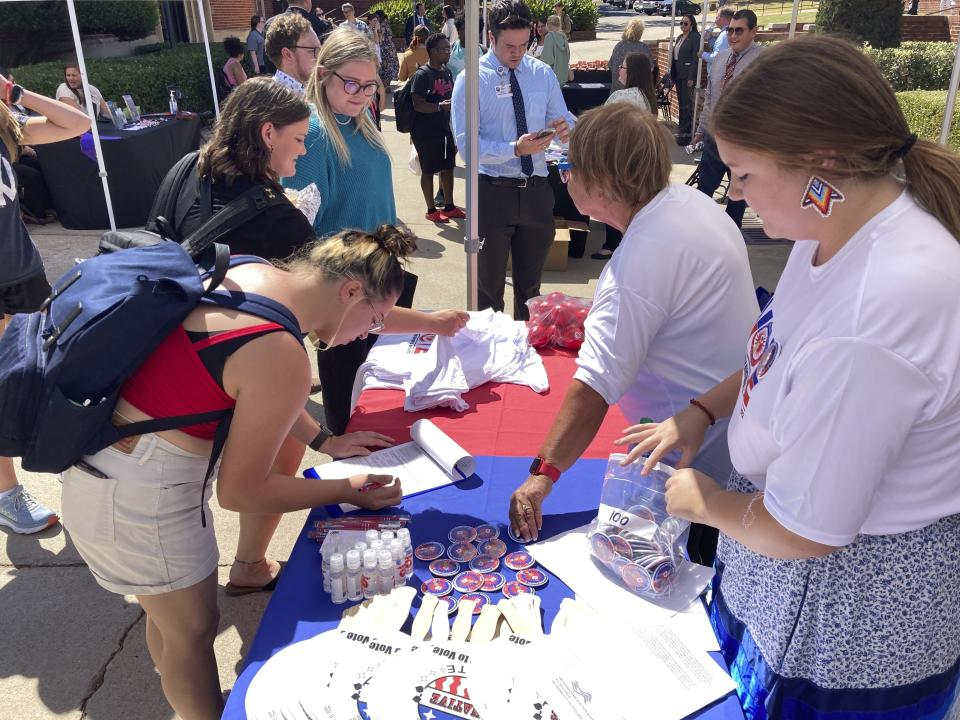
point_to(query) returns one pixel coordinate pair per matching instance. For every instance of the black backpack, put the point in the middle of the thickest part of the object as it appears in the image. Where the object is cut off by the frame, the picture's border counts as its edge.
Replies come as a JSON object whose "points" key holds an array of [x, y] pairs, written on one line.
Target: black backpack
{"points": [[403, 105]]}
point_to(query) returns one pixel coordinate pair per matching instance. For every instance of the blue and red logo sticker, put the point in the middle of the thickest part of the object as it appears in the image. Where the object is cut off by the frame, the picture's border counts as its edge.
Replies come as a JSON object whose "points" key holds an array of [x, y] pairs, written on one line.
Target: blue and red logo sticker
{"points": [[762, 352]]}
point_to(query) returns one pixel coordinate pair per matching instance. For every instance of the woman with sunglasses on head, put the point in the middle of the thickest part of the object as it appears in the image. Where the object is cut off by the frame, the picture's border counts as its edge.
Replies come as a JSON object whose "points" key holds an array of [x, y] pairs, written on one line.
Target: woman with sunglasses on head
{"points": [[654, 338], [131, 509], [683, 74], [347, 160], [23, 282], [838, 570], [635, 75]]}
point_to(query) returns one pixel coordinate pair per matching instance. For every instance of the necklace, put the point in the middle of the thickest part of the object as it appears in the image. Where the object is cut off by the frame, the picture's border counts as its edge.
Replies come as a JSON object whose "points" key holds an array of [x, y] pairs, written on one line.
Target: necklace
{"points": [[345, 122]]}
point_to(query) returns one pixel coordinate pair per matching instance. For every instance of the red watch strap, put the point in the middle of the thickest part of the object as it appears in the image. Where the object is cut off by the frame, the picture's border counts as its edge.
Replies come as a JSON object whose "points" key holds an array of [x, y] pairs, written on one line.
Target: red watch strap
{"points": [[539, 466]]}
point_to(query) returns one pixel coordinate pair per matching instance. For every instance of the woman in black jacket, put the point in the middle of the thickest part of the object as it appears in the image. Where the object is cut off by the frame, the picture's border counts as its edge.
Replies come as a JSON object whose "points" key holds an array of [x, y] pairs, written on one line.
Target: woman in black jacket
{"points": [[683, 73]]}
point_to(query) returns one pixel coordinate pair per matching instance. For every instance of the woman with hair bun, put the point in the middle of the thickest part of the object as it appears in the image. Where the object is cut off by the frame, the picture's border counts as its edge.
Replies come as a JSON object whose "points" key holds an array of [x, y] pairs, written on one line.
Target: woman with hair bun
{"points": [[838, 570], [131, 509]]}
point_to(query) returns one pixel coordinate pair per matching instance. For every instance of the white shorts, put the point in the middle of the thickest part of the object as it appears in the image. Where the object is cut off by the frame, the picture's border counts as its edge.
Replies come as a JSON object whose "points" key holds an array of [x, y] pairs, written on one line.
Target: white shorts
{"points": [[139, 530]]}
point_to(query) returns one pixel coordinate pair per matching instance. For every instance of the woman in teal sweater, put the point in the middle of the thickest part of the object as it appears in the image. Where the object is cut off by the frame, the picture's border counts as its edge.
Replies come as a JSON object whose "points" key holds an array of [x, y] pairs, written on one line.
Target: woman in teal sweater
{"points": [[556, 50], [349, 164]]}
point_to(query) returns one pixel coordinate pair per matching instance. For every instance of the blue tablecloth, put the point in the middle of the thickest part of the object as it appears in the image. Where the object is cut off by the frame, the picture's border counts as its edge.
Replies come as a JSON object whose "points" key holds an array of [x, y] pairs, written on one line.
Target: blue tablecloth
{"points": [[299, 609]]}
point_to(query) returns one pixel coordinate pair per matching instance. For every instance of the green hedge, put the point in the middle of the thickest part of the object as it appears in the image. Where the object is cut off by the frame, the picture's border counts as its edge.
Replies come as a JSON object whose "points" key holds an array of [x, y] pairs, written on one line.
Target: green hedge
{"points": [[916, 65], [876, 22], [144, 76], [924, 111]]}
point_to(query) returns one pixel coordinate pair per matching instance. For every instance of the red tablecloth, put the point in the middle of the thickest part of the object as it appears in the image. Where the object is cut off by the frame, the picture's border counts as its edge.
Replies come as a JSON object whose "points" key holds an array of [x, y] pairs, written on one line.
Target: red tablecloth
{"points": [[504, 420]]}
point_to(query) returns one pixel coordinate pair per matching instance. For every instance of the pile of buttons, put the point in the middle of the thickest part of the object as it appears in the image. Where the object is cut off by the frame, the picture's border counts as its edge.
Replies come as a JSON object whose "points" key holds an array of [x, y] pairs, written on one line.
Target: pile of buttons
{"points": [[473, 564], [645, 564]]}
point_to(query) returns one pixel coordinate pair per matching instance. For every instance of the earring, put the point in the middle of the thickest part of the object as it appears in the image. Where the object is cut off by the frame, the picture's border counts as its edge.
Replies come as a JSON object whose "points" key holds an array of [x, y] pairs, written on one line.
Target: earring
{"points": [[821, 195]]}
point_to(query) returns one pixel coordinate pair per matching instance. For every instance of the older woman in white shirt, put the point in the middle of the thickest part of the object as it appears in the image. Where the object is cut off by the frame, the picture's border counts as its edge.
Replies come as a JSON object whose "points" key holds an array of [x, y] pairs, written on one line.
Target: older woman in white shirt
{"points": [[670, 309]]}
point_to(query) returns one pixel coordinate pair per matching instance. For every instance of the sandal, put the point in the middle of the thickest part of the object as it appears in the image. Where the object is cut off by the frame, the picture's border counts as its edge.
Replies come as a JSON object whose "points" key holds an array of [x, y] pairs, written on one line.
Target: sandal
{"points": [[602, 255], [238, 590]]}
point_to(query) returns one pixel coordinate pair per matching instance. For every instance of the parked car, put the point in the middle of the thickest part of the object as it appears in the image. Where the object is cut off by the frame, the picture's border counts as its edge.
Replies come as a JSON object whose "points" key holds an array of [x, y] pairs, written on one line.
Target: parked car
{"points": [[648, 7], [618, 3], [684, 7]]}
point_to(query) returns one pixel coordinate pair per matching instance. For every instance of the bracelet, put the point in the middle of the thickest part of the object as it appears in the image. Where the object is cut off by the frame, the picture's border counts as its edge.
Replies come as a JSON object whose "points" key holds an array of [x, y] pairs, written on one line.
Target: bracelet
{"points": [[749, 516], [710, 415]]}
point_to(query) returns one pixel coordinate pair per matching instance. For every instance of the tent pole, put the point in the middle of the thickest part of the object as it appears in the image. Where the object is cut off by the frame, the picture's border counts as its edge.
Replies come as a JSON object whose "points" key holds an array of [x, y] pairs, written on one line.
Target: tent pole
{"points": [[951, 98], [206, 46], [71, 8], [793, 18], [696, 91], [472, 241]]}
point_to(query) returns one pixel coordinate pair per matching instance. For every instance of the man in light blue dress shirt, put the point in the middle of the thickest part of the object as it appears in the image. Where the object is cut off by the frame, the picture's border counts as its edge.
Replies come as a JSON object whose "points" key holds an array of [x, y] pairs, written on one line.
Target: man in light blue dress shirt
{"points": [[723, 40], [521, 108]]}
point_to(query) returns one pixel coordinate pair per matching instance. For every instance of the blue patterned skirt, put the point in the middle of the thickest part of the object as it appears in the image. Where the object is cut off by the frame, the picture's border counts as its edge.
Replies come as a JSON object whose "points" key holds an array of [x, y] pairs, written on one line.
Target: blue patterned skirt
{"points": [[869, 632]]}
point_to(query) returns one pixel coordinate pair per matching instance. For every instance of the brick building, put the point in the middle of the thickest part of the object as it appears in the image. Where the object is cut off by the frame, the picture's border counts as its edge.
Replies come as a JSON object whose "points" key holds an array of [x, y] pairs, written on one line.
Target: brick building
{"points": [[231, 17]]}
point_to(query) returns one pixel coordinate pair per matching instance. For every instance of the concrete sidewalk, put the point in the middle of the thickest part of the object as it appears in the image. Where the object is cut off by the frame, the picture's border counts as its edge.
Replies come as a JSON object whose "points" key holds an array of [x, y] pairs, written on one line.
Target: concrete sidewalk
{"points": [[73, 650]]}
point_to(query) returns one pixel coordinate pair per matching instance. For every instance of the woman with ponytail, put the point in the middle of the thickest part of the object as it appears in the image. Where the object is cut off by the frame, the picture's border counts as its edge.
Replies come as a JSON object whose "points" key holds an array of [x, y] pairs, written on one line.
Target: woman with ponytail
{"points": [[131, 509], [838, 570]]}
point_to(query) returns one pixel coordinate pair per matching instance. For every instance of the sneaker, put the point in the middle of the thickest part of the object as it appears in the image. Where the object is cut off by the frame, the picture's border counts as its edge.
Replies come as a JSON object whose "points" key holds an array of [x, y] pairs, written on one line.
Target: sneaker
{"points": [[23, 514], [454, 213], [437, 216]]}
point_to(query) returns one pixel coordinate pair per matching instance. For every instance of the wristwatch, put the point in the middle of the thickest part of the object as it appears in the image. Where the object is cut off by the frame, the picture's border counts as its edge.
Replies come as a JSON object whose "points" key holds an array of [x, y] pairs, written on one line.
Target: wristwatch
{"points": [[15, 95], [320, 439], [539, 466]]}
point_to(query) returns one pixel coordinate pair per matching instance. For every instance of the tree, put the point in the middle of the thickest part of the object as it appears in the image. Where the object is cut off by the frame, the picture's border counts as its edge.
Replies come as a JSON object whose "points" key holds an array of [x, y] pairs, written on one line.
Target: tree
{"points": [[875, 22]]}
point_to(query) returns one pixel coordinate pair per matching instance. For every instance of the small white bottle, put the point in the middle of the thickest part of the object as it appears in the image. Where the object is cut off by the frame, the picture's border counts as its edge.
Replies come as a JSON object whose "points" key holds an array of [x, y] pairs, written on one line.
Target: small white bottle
{"points": [[173, 103], [404, 536], [385, 581], [386, 536], [338, 588], [325, 553], [376, 546], [372, 535], [360, 546], [353, 575], [396, 556], [369, 580]]}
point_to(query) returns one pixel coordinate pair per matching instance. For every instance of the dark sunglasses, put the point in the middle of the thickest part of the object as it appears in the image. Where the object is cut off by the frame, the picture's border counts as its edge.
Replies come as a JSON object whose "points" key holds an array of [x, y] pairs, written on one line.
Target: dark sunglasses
{"points": [[352, 87], [684, 24], [737, 31]]}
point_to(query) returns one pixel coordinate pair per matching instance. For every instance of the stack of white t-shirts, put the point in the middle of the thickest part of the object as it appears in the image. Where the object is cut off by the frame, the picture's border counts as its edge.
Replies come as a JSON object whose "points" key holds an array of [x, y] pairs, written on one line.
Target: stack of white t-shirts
{"points": [[491, 348]]}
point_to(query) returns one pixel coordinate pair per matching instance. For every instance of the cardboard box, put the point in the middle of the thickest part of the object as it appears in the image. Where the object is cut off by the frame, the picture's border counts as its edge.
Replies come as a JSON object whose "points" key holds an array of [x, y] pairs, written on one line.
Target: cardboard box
{"points": [[557, 257]]}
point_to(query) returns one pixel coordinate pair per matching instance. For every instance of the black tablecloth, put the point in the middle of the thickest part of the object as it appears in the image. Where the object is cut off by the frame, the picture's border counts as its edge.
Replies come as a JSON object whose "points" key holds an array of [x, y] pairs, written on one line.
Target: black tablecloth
{"points": [[592, 76], [136, 162], [580, 97], [563, 206]]}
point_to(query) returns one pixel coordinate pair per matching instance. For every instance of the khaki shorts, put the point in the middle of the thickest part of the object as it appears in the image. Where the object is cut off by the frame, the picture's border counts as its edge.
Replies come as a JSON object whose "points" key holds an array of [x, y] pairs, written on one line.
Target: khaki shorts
{"points": [[139, 528]]}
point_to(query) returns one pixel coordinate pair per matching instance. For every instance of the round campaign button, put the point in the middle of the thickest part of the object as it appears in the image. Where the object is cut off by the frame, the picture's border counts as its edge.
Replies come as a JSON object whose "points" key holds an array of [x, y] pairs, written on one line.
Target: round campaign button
{"points": [[484, 563], [462, 534], [514, 588], [663, 576], [429, 551], [487, 532], [479, 598], [468, 582], [621, 546], [642, 511], [436, 586], [520, 560], [602, 547], [444, 568], [493, 582], [531, 577], [513, 536], [462, 552], [496, 547], [635, 577], [451, 602]]}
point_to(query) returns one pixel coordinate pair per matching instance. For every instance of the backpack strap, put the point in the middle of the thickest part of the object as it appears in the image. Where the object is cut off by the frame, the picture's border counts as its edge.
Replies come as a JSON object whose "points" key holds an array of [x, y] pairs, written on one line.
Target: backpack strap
{"points": [[165, 216], [239, 211]]}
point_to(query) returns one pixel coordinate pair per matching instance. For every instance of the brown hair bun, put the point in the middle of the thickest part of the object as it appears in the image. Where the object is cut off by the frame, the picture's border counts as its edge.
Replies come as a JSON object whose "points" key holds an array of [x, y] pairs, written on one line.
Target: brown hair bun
{"points": [[396, 240]]}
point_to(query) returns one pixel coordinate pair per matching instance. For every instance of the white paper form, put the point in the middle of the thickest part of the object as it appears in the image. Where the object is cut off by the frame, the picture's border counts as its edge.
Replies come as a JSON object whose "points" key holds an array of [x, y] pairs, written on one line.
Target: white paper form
{"points": [[568, 556], [431, 460]]}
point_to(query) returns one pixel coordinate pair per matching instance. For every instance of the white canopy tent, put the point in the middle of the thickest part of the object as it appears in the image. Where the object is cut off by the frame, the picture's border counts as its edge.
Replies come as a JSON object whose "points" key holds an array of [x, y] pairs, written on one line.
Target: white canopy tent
{"points": [[94, 131]]}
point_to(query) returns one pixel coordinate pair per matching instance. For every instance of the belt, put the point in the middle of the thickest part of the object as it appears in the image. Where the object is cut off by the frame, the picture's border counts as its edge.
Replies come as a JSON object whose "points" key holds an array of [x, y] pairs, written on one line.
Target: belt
{"points": [[512, 182]]}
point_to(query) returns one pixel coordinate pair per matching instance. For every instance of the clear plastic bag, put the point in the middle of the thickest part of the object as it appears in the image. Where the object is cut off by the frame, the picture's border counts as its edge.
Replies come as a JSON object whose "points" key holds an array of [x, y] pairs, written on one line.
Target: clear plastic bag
{"points": [[634, 535], [557, 320]]}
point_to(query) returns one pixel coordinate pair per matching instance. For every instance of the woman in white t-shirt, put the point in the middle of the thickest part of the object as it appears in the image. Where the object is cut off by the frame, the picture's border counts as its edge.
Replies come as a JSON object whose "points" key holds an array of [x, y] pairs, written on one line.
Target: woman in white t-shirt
{"points": [[449, 28], [670, 306], [838, 569], [70, 91]]}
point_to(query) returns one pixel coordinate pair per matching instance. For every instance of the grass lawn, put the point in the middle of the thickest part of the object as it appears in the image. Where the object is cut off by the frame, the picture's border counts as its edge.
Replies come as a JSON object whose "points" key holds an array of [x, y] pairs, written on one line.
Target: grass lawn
{"points": [[805, 16]]}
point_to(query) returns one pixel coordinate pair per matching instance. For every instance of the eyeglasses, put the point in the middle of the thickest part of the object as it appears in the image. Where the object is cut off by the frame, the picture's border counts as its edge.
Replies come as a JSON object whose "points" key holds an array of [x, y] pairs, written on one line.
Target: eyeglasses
{"points": [[376, 325], [737, 30], [352, 87], [313, 50], [564, 168], [622, 67], [684, 24]]}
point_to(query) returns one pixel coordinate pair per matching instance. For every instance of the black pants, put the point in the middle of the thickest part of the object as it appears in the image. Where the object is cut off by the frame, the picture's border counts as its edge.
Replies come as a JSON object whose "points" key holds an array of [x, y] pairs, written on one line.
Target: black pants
{"points": [[34, 196], [685, 105], [338, 367], [518, 221], [612, 241], [711, 172]]}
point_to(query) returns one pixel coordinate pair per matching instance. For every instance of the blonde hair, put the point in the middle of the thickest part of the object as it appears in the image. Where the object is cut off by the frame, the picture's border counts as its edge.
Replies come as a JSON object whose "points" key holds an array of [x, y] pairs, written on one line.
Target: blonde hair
{"points": [[342, 46], [820, 97], [622, 152], [634, 30], [375, 259], [10, 133], [553, 23]]}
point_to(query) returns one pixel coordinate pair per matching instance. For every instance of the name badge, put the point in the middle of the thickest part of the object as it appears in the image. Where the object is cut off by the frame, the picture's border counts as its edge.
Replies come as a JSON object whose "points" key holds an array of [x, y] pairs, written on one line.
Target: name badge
{"points": [[504, 91]]}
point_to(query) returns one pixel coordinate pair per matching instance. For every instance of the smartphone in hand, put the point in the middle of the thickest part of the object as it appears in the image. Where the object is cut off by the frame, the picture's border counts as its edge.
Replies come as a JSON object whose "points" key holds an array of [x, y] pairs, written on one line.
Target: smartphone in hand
{"points": [[545, 133]]}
